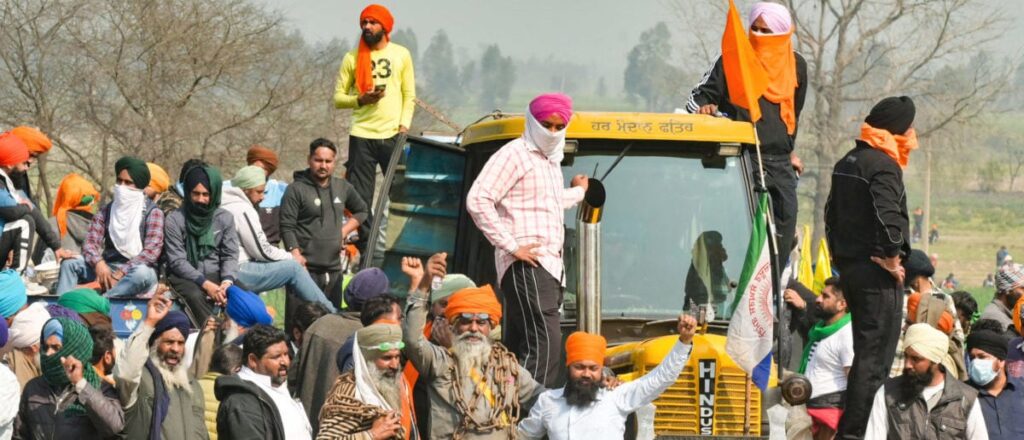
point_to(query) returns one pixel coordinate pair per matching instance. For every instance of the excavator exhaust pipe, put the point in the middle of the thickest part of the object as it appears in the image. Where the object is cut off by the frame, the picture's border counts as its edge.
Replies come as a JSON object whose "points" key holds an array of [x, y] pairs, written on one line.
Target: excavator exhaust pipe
{"points": [[588, 289]]}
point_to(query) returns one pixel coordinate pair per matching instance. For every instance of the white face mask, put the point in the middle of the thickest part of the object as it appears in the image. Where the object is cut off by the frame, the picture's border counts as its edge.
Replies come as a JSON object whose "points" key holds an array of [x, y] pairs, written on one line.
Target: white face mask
{"points": [[126, 214], [551, 144]]}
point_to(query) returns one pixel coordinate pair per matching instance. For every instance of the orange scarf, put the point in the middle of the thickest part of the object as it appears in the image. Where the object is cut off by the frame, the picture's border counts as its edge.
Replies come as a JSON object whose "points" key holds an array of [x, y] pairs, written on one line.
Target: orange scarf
{"points": [[898, 147], [364, 72], [69, 198], [776, 55]]}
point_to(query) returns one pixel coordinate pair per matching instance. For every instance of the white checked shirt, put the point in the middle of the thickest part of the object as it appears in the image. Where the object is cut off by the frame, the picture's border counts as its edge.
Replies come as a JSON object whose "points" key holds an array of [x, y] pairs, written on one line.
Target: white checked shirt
{"points": [[518, 199]]}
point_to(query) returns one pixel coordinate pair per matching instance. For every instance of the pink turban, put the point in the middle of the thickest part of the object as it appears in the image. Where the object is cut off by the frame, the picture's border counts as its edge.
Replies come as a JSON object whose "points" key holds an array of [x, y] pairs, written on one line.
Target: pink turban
{"points": [[551, 103], [775, 15]]}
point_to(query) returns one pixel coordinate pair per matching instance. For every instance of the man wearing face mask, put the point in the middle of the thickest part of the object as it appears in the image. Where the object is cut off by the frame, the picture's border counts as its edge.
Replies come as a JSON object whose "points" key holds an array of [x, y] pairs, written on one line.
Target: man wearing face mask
{"points": [[125, 239], [1001, 397], [517, 202]]}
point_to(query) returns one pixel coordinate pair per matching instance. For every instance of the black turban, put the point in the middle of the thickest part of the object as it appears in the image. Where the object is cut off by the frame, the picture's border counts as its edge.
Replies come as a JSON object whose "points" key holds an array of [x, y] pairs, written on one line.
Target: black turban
{"points": [[137, 169], [174, 319], [892, 114], [918, 264], [993, 343]]}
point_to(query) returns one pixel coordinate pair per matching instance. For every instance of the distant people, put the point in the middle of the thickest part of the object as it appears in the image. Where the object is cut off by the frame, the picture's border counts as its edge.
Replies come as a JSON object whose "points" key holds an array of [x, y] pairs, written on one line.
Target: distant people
{"points": [[827, 358], [517, 202], [255, 403], [262, 265], [374, 399], [584, 408], [456, 378], [159, 182], [990, 281], [868, 230], [226, 360], [73, 211], [161, 399], [706, 280], [1001, 398], [377, 81], [20, 219], [1009, 289], [925, 401], [1001, 255], [933, 234], [966, 309], [70, 400], [771, 35], [950, 283], [918, 223], [125, 240], [313, 222], [201, 247]]}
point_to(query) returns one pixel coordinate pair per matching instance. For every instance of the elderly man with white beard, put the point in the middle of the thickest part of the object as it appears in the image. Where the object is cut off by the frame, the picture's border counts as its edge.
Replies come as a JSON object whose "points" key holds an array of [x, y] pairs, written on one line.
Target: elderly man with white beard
{"points": [[477, 389], [373, 401], [161, 400]]}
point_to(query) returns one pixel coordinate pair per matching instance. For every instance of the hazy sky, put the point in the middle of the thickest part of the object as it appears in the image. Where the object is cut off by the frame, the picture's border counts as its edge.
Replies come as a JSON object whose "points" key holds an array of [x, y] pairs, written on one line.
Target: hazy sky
{"points": [[592, 32]]}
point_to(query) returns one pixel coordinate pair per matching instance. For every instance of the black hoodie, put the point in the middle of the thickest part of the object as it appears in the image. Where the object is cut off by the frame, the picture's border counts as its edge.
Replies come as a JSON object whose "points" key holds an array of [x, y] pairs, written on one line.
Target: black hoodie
{"points": [[245, 411], [309, 210]]}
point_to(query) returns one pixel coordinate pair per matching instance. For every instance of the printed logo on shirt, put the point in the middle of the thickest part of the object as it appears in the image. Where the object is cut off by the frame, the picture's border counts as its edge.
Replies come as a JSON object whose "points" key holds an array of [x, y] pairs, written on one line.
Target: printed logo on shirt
{"points": [[706, 395], [336, 199], [385, 68]]}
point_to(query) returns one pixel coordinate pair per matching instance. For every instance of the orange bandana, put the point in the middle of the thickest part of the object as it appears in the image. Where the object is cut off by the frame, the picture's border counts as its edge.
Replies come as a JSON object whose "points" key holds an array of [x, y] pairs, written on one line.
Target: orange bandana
{"points": [[69, 198], [945, 322], [364, 73], [898, 147], [582, 346], [474, 300], [776, 55]]}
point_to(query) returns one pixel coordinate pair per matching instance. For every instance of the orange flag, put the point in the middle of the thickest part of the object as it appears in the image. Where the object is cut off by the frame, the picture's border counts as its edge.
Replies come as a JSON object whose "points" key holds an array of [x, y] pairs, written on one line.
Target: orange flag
{"points": [[744, 75]]}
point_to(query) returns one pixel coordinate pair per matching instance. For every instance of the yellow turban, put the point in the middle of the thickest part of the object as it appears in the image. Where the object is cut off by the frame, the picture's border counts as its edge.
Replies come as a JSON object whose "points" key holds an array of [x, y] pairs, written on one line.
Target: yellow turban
{"points": [[159, 180]]}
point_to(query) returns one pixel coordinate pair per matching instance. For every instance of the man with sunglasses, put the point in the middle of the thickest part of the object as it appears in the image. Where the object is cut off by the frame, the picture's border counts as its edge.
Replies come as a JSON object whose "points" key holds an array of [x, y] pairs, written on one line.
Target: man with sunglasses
{"points": [[374, 399], [476, 388], [517, 202]]}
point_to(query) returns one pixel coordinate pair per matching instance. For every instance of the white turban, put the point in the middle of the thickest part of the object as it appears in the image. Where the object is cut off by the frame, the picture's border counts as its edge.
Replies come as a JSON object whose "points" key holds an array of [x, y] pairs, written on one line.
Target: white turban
{"points": [[775, 15], [27, 326], [929, 342]]}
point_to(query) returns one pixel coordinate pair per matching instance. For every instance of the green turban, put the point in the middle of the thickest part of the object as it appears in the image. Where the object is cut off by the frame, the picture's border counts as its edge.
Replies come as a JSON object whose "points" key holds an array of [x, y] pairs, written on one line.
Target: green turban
{"points": [[249, 177], [85, 301], [452, 283], [76, 341], [371, 337], [137, 169]]}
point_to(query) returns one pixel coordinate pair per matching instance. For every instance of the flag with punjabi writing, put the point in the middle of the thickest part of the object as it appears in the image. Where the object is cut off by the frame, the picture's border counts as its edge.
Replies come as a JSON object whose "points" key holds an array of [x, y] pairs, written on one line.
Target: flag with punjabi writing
{"points": [[749, 338]]}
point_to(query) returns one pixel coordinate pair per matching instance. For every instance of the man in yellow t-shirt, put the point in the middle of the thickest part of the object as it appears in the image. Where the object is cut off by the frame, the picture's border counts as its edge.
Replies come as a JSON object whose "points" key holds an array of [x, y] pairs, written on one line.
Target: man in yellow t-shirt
{"points": [[376, 81]]}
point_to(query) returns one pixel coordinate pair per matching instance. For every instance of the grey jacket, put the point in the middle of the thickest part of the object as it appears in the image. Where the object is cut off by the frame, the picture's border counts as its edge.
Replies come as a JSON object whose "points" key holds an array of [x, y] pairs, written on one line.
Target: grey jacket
{"points": [[433, 362], [221, 264], [78, 228], [912, 420], [312, 217], [38, 417]]}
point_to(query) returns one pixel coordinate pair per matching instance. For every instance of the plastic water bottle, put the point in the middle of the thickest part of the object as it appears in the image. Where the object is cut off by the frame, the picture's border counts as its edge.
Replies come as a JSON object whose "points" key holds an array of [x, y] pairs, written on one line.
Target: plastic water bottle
{"points": [[436, 283]]}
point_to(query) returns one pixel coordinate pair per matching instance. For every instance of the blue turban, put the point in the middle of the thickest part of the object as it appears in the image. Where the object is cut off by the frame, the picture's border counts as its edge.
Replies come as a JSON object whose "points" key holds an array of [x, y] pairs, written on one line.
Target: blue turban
{"points": [[53, 327], [367, 284], [175, 319], [3, 332], [12, 293], [246, 308]]}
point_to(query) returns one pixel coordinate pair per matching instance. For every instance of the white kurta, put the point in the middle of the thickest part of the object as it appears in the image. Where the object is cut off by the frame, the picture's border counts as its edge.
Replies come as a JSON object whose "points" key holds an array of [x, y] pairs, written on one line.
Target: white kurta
{"points": [[606, 417]]}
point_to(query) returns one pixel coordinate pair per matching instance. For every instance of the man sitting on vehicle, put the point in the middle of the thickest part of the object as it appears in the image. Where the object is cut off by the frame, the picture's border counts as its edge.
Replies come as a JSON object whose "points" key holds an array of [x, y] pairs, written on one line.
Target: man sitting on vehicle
{"points": [[584, 409], [72, 211], [263, 266], [125, 239]]}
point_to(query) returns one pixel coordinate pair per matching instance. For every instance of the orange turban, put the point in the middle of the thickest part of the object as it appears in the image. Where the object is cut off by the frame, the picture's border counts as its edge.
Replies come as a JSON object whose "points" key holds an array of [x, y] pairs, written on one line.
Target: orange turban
{"points": [[364, 74], [72, 190], [13, 150], [474, 300], [35, 140], [583, 346], [262, 154], [159, 180], [945, 322]]}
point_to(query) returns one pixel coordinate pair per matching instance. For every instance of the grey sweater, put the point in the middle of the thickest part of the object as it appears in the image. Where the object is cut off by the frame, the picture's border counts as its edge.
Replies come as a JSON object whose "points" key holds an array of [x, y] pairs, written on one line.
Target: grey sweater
{"points": [[221, 263], [312, 217]]}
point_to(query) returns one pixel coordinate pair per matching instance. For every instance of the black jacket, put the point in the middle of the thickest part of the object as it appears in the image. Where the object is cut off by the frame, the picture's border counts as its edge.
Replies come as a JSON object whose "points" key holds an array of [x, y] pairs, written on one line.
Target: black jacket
{"points": [[866, 214], [771, 129], [312, 217], [245, 411]]}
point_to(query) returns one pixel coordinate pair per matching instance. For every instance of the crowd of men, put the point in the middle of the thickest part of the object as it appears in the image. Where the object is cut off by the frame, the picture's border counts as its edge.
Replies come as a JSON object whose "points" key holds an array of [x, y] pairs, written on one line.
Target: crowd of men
{"points": [[888, 353]]}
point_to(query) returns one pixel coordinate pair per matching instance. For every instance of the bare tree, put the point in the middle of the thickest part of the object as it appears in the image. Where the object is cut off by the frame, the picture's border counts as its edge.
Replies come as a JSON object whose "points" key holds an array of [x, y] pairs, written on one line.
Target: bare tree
{"points": [[859, 51]]}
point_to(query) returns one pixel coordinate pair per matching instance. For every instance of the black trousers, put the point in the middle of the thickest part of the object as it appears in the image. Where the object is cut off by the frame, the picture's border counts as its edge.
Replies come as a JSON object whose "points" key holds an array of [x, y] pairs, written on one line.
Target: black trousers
{"points": [[18, 238], [781, 181], [875, 300], [194, 297], [364, 157], [531, 328]]}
